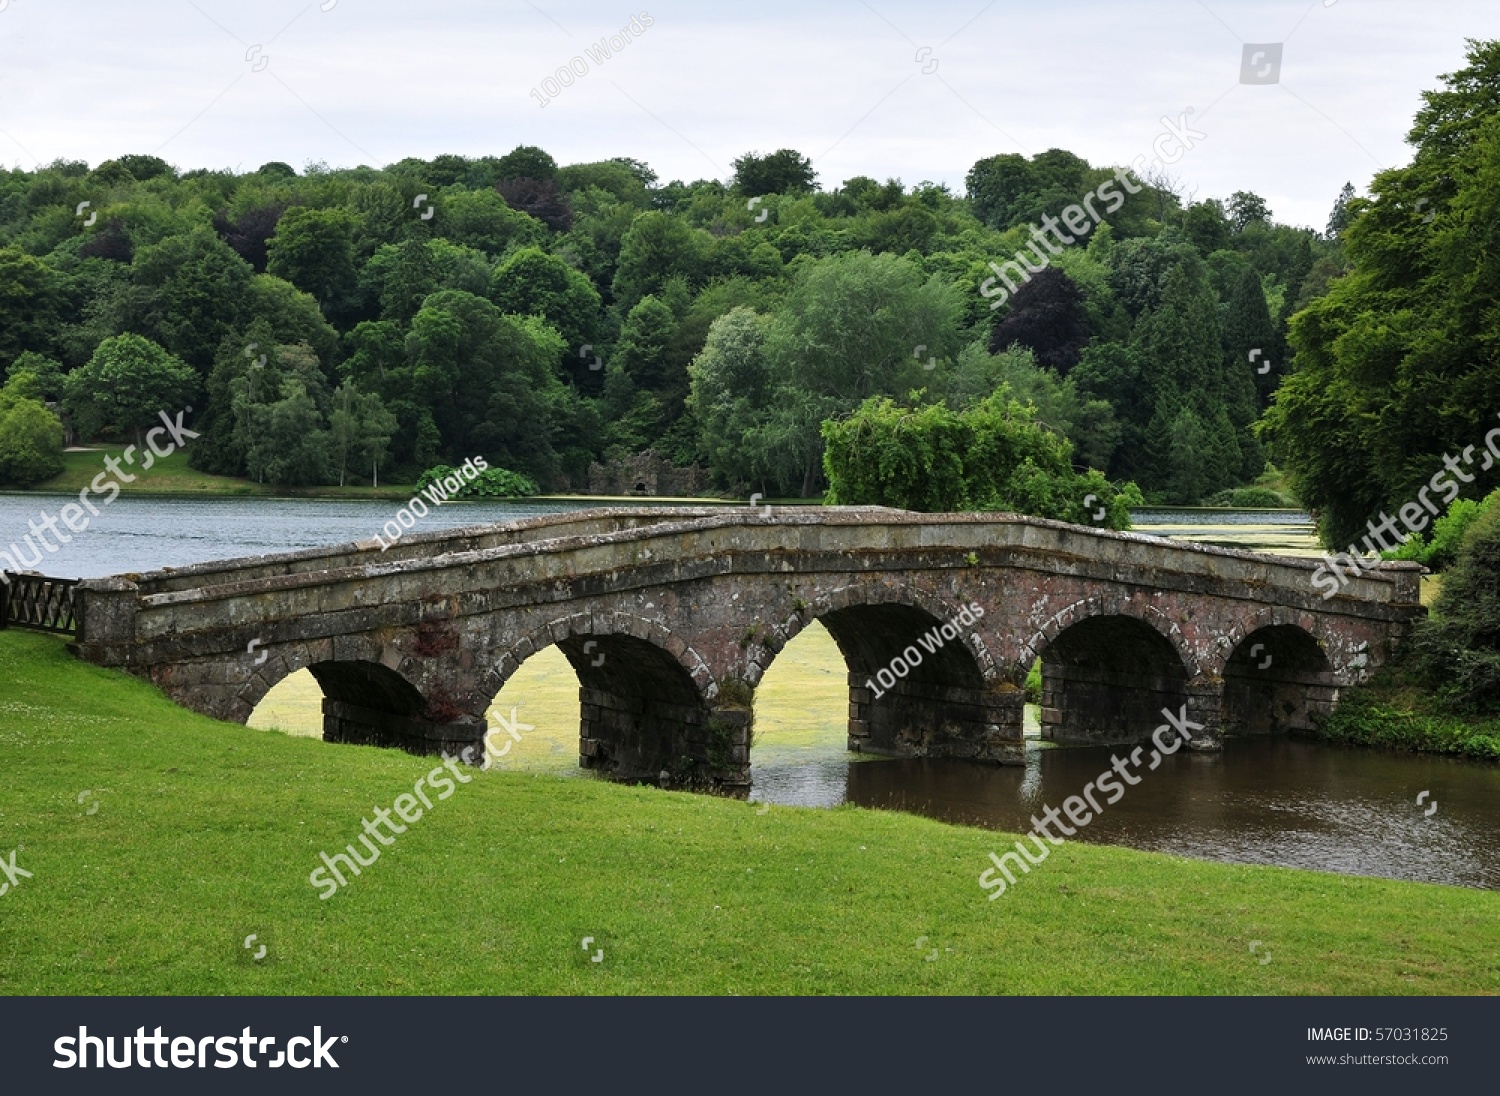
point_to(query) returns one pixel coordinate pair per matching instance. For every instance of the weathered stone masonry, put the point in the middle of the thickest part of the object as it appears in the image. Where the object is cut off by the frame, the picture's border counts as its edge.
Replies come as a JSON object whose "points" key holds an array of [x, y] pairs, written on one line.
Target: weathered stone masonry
{"points": [[671, 616]]}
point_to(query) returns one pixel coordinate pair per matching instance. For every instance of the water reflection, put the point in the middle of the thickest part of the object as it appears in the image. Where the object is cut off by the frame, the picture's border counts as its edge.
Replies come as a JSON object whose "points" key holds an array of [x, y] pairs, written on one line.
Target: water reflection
{"points": [[1261, 801]]}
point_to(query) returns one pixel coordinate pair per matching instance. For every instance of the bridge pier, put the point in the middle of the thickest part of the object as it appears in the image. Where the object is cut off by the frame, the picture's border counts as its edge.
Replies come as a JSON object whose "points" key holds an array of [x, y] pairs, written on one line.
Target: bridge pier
{"points": [[368, 704], [354, 724], [629, 737], [928, 719]]}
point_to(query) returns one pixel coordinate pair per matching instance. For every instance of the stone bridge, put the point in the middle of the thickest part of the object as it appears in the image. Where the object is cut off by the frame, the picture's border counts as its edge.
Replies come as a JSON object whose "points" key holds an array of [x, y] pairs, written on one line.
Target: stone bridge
{"points": [[670, 617]]}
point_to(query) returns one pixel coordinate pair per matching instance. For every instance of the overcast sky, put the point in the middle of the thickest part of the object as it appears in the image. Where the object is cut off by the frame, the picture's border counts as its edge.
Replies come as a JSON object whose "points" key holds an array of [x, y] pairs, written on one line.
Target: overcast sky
{"points": [[884, 88]]}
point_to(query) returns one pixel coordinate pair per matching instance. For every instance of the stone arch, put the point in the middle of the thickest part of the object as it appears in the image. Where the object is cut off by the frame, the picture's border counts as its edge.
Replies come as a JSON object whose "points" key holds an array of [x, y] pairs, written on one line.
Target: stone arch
{"points": [[949, 702], [1107, 674], [854, 596], [1277, 678], [1109, 604], [369, 696], [600, 627], [648, 702], [1314, 626]]}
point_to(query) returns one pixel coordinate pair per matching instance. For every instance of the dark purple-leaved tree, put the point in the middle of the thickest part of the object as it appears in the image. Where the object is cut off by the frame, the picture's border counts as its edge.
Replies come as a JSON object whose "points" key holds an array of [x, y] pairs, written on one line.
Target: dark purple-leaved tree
{"points": [[1047, 315], [540, 198]]}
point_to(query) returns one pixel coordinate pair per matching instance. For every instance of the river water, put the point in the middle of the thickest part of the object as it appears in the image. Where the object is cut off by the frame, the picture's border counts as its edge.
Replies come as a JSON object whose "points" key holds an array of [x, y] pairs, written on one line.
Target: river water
{"points": [[1266, 801]]}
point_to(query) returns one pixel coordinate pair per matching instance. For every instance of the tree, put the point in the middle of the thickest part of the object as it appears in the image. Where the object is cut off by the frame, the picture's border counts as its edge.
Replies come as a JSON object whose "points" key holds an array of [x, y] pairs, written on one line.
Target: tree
{"points": [[481, 219], [31, 437], [250, 233], [995, 187], [48, 374], [1046, 315], [531, 282], [539, 198], [643, 349], [1247, 208], [1250, 339], [284, 440], [293, 316], [360, 427], [641, 394], [1114, 374], [1179, 346], [128, 383], [402, 275], [1189, 472], [144, 168], [1009, 190], [1138, 268], [525, 162], [850, 328], [730, 397], [486, 382], [657, 248], [1397, 365], [30, 296], [111, 241], [1207, 226], [1457, 649], [314, 250], [618, 178], [785, 171], [187, 293], [376, 425], [1339, 219], [448, 169]]}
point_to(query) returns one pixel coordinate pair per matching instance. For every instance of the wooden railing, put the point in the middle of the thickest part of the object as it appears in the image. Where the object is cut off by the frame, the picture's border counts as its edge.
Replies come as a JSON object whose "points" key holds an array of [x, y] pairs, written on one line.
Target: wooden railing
{"points": [[37, 602]]}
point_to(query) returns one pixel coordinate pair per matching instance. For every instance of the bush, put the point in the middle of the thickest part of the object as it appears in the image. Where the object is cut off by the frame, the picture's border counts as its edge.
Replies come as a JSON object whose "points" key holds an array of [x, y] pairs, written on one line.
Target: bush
{"points": [[500, 483], [1362, 719], [1252, 498], [31, 437], [993, 455], [494, 483], [1034, 683], [1439, 549]]}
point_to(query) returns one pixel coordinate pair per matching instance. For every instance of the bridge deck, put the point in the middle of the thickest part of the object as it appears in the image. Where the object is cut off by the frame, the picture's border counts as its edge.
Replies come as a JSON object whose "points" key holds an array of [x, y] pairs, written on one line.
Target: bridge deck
{"points": [[1391, 585]]}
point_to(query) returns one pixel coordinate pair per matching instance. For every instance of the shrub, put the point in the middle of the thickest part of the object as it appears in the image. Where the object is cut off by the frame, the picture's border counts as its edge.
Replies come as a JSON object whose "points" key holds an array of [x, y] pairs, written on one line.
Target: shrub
{"points": [[1457, 649], [499, 483], [1363, 719], [1439, 548], [1252, 498], [495, 483], [992, 455], [31, 436]]}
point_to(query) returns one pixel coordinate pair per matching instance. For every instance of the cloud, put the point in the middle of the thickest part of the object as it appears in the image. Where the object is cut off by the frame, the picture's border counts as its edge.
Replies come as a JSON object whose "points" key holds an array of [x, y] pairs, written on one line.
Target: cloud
{"points": [[372, 81]]}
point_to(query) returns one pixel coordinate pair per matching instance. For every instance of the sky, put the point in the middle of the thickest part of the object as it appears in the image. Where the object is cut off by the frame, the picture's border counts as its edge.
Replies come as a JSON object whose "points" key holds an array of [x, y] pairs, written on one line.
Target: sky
{"points": [[884, 88]]}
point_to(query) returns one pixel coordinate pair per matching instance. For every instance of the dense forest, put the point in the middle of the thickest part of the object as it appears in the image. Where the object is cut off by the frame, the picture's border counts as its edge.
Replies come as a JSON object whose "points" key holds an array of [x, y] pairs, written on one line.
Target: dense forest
{"points": [[338, 325]]}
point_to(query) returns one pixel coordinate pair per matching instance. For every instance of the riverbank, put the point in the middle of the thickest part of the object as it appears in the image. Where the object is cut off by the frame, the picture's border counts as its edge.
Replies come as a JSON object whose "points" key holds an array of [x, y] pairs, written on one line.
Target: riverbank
{"points": [[171, 476], [159, 840], [1390, 714]]}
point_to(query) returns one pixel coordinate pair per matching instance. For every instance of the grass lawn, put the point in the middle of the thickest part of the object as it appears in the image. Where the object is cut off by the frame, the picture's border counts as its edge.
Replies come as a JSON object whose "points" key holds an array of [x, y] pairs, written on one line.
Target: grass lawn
{"points": [[171, 475], [205, 833]]}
